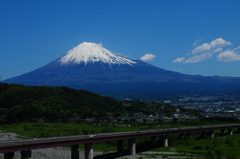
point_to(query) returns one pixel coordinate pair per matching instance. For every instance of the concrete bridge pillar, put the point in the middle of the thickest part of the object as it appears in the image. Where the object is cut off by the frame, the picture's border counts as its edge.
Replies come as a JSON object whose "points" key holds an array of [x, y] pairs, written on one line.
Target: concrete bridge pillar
{"points": [[88, 151], [26, 154], [222, 131], [181, 135], [74, 152], [230, 132], [120, 146], [9, 155], [132, 146], [153, 140], [211, 133], [164, 141]]}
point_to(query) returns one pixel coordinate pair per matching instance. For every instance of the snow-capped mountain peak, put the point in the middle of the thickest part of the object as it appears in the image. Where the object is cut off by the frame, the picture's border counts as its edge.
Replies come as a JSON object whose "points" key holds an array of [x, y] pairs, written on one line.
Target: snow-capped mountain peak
{"points": [[91, 52]]}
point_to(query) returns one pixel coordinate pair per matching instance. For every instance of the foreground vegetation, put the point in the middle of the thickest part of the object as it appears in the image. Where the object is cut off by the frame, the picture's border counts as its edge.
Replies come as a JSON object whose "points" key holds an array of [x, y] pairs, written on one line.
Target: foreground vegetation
{"points": [[219, 147]]}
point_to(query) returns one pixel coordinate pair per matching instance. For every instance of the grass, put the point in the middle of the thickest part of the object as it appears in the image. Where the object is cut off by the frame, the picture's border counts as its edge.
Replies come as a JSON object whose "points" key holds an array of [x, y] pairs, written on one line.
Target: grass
{"points": [[65, 129], [216, 148]]}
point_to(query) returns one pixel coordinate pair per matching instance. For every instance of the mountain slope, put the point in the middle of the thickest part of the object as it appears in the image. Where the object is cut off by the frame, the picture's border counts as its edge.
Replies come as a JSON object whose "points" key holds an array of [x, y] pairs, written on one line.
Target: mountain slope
{"points": [[90, 66]]}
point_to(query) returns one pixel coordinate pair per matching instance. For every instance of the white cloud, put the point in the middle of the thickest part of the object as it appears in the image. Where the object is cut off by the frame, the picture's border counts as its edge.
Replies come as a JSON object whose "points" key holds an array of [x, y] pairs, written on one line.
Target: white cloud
{"points": [[237, 48], [199, 58], [177, 69], [229, 55], [148, 57], [217, 43], [207, 50], [202, 57], [217, 50], [197, 42], [180, 59]]}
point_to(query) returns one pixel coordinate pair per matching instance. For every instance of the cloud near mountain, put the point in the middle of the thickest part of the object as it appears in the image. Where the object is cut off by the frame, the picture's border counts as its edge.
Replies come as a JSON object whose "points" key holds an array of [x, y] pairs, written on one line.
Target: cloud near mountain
{"points": [[207, 50], [148, 57], [179, 59]]}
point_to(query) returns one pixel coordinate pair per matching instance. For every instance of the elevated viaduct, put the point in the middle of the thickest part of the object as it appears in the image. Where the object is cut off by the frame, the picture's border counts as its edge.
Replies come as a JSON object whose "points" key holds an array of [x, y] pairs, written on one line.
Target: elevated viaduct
{"points": [[8, 147]]}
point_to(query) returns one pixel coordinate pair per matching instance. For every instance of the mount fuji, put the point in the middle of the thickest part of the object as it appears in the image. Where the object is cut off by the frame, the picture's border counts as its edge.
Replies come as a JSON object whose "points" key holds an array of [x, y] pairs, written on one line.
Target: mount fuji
{"points": [[91, 67]]}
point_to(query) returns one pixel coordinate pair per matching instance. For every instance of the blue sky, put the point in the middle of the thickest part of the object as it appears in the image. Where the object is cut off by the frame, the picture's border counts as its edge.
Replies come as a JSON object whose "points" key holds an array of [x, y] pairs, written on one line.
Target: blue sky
{"points": [[198, 37]]}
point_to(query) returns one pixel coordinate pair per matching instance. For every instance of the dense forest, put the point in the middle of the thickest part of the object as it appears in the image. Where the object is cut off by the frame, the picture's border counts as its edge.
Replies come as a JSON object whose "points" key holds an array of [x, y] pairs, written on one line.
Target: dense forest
{"points": [[49, 104]]}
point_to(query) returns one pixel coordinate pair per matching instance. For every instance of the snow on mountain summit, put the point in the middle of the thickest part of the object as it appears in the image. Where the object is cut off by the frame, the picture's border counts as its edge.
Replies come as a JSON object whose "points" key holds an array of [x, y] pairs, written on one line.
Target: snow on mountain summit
{"points": [[91, 52]]}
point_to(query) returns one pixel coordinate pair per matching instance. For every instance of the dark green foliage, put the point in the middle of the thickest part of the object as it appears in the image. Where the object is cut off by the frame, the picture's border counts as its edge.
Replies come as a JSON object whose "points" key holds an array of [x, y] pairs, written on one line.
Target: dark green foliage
{"points": [[3, 87], [216, 148], [31, 103], [20, 103]]}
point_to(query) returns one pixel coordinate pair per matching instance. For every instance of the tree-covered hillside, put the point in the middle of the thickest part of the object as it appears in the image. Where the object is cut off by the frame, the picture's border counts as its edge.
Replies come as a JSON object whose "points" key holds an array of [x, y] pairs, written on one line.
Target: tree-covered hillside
{"points": [[31, 103], [21, 103]]}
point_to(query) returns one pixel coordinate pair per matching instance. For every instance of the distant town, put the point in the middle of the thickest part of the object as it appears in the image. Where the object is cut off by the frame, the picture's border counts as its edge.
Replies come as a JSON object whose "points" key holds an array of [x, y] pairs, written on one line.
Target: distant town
{"points": [[221, 105], [206, 105]]}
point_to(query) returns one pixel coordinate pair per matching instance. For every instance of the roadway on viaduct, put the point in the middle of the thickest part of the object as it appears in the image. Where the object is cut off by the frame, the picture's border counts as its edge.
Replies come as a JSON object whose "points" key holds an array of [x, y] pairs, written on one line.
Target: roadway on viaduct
{"points": [[8, 147]]}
